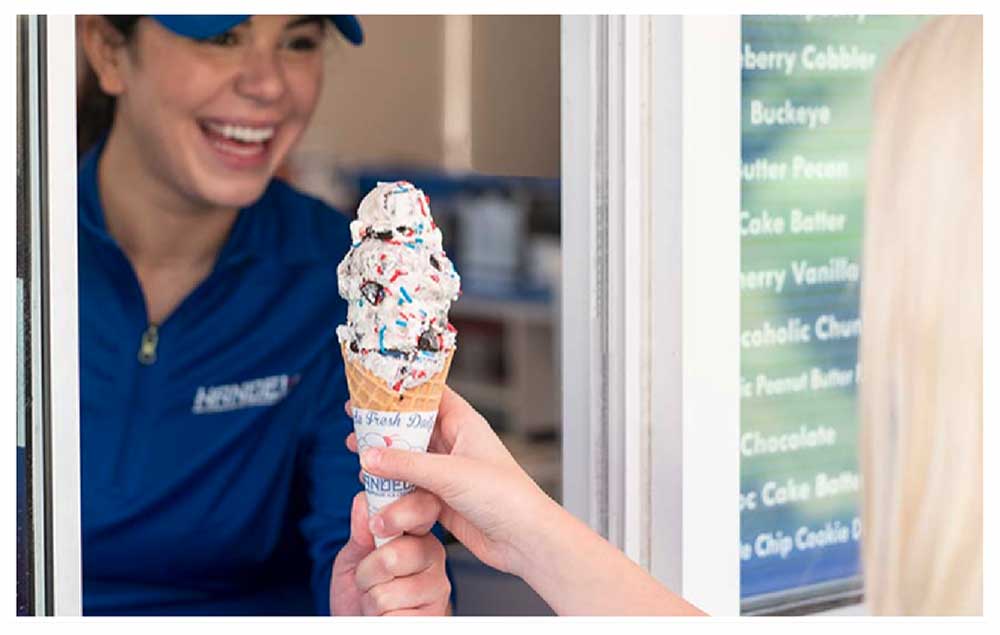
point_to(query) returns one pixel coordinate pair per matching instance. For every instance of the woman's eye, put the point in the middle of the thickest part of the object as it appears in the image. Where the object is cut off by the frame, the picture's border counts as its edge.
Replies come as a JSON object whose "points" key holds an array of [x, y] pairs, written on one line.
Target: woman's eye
{"points": [[303, 44], [223, 39]]}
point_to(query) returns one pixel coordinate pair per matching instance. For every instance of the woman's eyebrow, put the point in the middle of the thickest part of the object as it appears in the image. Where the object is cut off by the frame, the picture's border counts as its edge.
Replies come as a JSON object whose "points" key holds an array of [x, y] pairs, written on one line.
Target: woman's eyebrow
{"points": [[306, 19]]}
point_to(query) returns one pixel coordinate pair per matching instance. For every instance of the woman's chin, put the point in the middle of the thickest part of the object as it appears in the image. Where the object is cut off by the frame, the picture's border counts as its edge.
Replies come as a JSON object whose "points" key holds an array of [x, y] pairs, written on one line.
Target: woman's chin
{"points": [[236, 196]]}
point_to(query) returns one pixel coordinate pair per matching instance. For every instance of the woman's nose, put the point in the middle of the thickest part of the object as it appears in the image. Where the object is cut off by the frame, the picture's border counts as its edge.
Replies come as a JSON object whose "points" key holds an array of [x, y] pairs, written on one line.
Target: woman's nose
{"points": [[262, 77]]}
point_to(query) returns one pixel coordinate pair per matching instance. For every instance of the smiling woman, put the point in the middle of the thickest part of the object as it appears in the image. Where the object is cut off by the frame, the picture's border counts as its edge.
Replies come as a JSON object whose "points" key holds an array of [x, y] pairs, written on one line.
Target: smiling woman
{"points": [[221, 113], [214, 478]]}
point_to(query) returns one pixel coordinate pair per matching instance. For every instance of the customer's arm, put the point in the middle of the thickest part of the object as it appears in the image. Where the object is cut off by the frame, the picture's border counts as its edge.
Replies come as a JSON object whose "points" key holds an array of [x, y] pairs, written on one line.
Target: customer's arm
{"points": [[494, 508]]}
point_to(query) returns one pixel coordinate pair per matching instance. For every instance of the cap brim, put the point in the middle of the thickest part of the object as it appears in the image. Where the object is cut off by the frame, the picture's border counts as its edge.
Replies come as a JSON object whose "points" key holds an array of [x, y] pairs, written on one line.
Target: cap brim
{"points": [[206, 26], [349, 27]]}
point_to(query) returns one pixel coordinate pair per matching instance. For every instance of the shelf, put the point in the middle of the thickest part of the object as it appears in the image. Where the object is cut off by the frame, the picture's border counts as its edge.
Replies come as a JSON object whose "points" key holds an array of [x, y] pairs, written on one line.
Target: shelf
{"points": [[507, 310], [482, 393]]}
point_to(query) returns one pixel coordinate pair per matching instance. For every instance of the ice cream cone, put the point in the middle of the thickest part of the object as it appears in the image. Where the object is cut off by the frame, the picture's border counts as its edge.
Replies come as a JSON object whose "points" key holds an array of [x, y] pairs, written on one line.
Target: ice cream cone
{"points": [[397, 341], [371, 392], [386, 418]]}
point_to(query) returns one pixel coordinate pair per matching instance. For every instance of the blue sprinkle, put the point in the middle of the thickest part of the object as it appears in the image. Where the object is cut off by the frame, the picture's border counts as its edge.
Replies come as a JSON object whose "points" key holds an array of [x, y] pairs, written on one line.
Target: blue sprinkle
{"points": [[405, 294], [401, 323], [419, 240], [357, 244], [410, 245], [423, 313], [361, 302], [381, 340]]}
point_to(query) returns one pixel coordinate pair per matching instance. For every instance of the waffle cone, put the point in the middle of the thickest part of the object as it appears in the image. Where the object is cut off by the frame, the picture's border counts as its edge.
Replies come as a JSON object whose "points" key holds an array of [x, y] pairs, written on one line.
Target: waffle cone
{"points": [[369, 391]]}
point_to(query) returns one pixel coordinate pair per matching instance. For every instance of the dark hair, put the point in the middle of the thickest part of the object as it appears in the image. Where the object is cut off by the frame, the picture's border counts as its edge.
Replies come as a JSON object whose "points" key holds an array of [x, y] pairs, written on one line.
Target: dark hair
{"points": [[95, 109]]}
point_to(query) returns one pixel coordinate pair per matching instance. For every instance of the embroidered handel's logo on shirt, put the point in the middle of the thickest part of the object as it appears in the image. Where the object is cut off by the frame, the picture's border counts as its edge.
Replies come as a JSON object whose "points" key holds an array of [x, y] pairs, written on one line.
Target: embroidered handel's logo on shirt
{"points": [[265, 391]]}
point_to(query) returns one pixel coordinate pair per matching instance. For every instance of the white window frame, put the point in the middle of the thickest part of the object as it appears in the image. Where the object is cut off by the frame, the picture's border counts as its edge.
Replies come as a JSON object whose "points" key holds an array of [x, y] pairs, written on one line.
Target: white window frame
{"points": [[63, 319], [51, 179], [650, 111]]}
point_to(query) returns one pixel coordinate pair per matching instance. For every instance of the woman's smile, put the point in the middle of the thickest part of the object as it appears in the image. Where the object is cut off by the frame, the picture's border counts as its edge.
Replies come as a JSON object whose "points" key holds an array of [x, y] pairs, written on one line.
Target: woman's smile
{"points": [[239, 144]]}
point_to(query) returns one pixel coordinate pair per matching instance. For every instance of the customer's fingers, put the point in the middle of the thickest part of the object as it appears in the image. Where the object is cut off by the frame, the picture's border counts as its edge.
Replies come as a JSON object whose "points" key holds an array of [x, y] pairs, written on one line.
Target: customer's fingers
{"points": [[352, 442], [442, 474], [414, 514]]}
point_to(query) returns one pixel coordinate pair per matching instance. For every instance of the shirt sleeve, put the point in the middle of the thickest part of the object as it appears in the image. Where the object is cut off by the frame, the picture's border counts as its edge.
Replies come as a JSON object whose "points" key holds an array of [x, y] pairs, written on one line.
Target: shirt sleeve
{"points": [[329, 471]]}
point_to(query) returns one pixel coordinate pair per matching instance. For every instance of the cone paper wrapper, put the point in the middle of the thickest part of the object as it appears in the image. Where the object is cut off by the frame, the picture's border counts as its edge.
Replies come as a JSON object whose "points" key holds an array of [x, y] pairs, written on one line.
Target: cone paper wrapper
{"points": [[398, 430], [385, 418]]}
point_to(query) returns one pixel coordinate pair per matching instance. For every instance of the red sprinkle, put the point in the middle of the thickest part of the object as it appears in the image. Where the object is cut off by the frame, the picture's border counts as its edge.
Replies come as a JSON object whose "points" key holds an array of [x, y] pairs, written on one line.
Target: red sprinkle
{"points": [[451, 328], [379, 269], [397, 385], [381, 257], [432, 320], [435, 278], [396, 275]]}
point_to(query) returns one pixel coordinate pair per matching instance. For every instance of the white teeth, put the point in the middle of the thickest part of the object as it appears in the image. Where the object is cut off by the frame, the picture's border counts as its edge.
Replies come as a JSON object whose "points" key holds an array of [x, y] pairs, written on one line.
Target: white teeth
{"points": [[243, 133]]}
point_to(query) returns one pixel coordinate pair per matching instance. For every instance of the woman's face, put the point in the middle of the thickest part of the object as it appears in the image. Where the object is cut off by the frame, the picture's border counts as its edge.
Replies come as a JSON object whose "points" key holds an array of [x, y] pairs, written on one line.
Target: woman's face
{"points": [[214, 119]]}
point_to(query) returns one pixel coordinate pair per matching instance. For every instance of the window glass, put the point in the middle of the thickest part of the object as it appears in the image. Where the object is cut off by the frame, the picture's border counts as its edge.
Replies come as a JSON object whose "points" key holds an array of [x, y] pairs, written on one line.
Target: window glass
{"points": [[806, 101]]}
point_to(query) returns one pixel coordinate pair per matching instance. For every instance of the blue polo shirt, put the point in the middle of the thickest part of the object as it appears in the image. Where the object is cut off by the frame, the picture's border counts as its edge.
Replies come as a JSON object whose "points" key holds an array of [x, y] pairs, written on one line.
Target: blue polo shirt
{"points": [[215, 480]]}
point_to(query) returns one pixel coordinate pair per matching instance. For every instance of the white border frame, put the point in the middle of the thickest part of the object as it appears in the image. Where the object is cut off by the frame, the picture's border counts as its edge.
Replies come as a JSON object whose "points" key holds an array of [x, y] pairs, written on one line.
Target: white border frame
{"points": [[37, 459], [628, 284], [605, 230], [63, 349], [711, 312], [584, 319], [650, 337], [696, 310]]}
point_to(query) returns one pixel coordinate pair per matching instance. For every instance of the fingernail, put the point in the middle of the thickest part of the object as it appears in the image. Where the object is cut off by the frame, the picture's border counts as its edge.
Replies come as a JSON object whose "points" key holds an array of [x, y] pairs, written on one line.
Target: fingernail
{"points": [[376, 525], [369, 458]]}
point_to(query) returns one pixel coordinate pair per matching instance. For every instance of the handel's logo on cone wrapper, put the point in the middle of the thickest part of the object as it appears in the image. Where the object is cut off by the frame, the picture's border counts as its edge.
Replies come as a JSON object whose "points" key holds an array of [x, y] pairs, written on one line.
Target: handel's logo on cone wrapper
{"points": [[398, 430]]}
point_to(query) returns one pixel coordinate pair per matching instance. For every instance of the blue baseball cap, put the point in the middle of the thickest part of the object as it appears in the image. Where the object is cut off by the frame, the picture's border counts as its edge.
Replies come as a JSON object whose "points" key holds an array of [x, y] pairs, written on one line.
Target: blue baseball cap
{"points": [[204, 26]]}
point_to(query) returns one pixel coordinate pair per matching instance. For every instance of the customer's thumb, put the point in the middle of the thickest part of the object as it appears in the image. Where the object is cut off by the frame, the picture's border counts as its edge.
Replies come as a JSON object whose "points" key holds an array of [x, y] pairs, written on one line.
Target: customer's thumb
{"points": [[441, 474]]}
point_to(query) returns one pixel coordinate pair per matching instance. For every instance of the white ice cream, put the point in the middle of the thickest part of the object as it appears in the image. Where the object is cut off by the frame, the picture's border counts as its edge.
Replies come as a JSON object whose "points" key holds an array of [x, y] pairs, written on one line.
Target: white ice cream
{"points": [[399, 285]]}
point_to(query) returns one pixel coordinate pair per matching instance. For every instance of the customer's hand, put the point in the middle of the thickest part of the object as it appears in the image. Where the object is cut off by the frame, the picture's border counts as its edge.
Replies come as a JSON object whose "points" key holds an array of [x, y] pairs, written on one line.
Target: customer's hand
{"points": [[504, 518], [489, 503], [403, 577]]}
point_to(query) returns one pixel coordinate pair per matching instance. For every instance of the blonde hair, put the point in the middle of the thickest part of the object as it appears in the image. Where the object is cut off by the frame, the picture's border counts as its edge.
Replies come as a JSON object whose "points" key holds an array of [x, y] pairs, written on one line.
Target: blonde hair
{"points": [[921, 347]]}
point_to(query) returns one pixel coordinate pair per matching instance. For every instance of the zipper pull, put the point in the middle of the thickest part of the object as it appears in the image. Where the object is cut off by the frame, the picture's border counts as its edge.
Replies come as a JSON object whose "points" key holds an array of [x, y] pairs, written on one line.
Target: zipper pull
{"points": [[147, 347]]}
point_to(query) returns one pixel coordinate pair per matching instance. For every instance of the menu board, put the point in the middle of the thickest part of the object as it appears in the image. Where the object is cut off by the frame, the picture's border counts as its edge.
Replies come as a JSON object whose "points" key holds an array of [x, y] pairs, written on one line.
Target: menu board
{"points": [[806, 123]]}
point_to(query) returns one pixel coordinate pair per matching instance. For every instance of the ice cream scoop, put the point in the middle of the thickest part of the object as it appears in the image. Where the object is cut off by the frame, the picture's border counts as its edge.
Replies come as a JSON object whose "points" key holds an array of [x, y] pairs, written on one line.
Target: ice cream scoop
{"points": [[399, 285]]}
